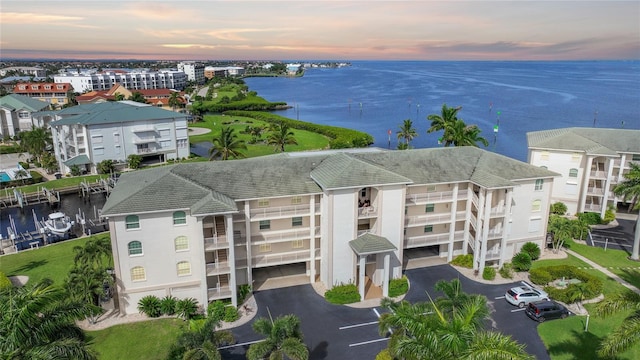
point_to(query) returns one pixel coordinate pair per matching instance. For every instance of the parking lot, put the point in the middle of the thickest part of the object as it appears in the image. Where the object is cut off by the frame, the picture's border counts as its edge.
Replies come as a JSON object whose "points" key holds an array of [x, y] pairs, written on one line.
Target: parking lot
{"points": [[341, 332], [619, 237]]}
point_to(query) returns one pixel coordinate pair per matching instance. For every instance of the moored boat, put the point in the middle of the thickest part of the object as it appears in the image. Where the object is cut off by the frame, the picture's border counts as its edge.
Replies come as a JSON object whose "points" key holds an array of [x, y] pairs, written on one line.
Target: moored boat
{"points": [[58, 223]]}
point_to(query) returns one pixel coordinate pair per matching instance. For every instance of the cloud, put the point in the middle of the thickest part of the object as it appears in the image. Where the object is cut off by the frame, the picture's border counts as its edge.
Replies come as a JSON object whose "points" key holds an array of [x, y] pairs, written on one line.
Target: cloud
{"points": [[23, 18], [189, 46]]}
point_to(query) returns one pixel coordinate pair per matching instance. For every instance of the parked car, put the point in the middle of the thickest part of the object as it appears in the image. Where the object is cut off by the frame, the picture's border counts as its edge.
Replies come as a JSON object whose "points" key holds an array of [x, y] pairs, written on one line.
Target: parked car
{"points": [[543, 310], [521, 296]]}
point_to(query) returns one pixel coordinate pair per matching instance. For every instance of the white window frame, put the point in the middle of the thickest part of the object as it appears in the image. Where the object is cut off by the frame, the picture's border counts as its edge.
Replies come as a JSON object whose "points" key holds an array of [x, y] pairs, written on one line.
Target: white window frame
{"points": [[181, 243], [129, 248], [136, 271]]}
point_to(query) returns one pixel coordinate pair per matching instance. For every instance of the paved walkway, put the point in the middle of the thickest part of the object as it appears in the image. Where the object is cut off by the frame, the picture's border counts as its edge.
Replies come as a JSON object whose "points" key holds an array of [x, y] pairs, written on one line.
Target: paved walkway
{"points": [[604, 270]]}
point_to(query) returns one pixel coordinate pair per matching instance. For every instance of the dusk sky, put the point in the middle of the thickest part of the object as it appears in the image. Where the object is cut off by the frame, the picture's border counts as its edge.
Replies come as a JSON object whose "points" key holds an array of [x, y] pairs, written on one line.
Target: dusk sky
{"points": [[332, 30]]}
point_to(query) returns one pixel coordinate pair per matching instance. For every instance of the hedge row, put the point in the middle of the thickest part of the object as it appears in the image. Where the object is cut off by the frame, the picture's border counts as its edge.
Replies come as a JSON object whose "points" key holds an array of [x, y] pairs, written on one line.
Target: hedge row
{"points": [[340, 137], [247, 105], [545, 275], [342, 294], [398, 287]]}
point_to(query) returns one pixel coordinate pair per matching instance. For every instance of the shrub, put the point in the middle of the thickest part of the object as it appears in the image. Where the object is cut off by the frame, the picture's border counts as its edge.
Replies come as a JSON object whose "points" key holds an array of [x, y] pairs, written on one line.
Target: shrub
{"points": [[590, 218], [506, 271], [521, 262], [593, 285], [5, 283], [384, 355], [168, 305], [187, 308], [398, 287], [231, 314], [558, 208], [540, 276], [150, 305], [463, 261], [36, 177], [216, 310], [489, 273], [532, 249], [106, 167], [25, 165], [243, 292], [609, 215], [343, 294]]}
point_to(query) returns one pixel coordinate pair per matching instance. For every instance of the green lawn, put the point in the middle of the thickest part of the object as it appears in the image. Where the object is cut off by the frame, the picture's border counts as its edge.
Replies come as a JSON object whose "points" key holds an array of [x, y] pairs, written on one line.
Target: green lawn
{"points": [[52, 261], [146, 340], [63, 183], [615, 261]]}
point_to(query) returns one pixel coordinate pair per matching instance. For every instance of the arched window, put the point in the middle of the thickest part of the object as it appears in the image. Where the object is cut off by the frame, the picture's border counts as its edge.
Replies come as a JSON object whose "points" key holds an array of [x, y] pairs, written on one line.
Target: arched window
{"points": [[573, 172], [132, 222], [135, 248], [183, 268], [179, 218], [181, 243], [536, 205], [138, 274]]}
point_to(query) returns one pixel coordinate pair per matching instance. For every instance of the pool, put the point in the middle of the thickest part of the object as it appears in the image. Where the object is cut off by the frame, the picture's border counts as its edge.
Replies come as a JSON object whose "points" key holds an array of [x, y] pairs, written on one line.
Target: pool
{"points": [[4, 177]]}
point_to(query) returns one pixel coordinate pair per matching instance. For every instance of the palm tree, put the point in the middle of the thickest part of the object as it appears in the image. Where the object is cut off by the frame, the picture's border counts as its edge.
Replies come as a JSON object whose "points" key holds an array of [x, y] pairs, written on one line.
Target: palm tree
{"points": [[561, 230], [21, 175], [279, 136], [95, 253], [629, 189], [201, 341], [283, 338], [38, 322], [137, 97], [407, 132], [35, 142], [86, 284], [444, 121], [227, 145], [441, 330], [464, 135], [626, 335], [174, 100]]}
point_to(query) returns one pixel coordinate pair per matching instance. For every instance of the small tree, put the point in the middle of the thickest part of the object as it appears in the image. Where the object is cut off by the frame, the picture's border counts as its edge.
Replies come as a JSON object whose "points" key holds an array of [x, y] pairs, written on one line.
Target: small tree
{"points": [[558, 208], [521, 262], [532, 249], [134, 161], [75, 170], [106, 167]]}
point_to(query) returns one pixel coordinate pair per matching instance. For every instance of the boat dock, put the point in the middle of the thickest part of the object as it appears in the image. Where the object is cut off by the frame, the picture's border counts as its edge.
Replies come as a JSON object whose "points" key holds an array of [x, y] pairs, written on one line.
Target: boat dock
{"points": [[14, 197]]}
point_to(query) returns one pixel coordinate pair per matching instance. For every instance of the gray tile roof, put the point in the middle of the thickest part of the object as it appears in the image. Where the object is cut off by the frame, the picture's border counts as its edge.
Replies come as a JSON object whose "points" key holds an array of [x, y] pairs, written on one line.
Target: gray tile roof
{"points": [[78, 160], [368, 243], [210, 187], [592, 141], [112, 112], [16, 102]]}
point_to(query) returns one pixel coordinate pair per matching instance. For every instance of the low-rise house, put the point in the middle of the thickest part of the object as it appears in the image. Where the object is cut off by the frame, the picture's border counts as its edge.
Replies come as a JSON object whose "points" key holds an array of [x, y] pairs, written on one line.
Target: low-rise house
{"points": [[156, 97], [54, 94], [85, 135], [356, 216], [21, 113], [591, 162]]}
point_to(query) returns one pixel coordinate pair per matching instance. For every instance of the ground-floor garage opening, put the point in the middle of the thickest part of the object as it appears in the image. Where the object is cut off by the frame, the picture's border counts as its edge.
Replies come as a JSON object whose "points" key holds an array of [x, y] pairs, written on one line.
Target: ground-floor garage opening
{"points": [[273, 277], [422, 257]]}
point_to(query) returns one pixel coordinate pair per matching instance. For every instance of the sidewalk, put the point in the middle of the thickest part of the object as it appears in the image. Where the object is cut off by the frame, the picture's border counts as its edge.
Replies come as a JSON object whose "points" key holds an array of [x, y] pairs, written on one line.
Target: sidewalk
{"points": [[604, 270]]}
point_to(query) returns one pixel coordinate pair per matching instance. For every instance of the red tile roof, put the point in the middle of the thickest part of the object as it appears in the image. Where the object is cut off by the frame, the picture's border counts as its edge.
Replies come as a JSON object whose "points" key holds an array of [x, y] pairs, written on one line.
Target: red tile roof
{"points": [[32, 88]]}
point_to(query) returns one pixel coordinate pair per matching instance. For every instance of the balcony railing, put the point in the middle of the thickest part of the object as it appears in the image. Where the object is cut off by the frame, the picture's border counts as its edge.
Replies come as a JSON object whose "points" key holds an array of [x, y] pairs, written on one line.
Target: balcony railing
{"points": [[216, 242], [144, 140], [432, 218], [592, 207], [283, 258], [217, 268], [367, 211], [282, 211], [495, 233], [143, 128], [283, 235], [431, 239], [432, 197], [220, 292], [598, 174], [146, 151], [497, 211], [493, 254], [594, 190]]}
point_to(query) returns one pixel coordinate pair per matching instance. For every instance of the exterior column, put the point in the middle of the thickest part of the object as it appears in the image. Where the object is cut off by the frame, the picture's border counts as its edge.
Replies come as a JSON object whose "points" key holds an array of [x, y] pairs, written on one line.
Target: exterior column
{"points": [[607, 185], [228, 219], [506, 220], [584, 187], [362, 260], [480, 233], [385, 276], [312, 241], [247, 238], [485, 230], [452, 225], [467, 219]]}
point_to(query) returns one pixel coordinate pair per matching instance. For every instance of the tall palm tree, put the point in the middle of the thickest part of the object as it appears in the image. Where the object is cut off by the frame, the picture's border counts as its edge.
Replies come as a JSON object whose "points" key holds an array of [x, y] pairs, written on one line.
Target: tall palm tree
{"points": [[629, 189], [95, 253], [407, 132], [200, 341], [437, 330], [174, 100], [561, 230], [443, 121], [279, 136], [462, 134], [137, 97], [38, 322], [227, 145], [35, 142], [283, 337], [628, 334]]}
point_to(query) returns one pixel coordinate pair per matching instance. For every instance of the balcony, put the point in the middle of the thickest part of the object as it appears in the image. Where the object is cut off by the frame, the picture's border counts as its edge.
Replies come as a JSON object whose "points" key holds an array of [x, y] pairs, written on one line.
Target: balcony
{"points": [[431, 239], [598, 174], [283, 235], [498, 211], [283, 258], [370, 231], [145, 151], [144, 140], [493, 254], [433, 197], [367, 212], [596, 191], [216, 242], [282, 212], [143, 128], [435, 218], [217, 268], [221, 292], [593, 207], [495, 233]]}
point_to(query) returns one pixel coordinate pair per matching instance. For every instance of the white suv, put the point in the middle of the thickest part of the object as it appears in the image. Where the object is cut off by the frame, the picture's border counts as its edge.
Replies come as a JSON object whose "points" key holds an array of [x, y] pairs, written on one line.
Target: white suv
{"points": [[521, 296]]}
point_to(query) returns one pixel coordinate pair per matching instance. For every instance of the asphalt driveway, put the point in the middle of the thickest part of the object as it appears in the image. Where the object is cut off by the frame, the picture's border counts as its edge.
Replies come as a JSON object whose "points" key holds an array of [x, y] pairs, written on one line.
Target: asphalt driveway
{"points": [[340, 332], [619, 237]]}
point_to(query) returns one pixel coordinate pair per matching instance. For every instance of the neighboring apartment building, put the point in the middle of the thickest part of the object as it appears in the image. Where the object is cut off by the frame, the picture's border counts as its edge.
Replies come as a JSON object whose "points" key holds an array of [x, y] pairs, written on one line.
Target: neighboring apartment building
{"points": [[213, 71], [85, 135], [134, 80], [30, 70], [347, 216], [21, 113], [194, 71], [591, 162], [156, 97], [54, 94]]}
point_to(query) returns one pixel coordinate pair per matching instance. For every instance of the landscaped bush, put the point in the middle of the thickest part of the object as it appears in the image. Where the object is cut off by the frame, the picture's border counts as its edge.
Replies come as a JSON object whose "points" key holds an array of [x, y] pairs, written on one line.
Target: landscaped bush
{"points": [[216, 310], [150, 305], [168, 305], [36, 177], [609, 215], [231, 313], [590, 218], [4, 281], [384, 355], [243, 292], [506, 271], [540, 276], [547, 274], [489, 273], [10, 149], [532, 249], [558, 208], [398, 287], [187, 308], [343, 294], [25, 165], [521, 262], [463, 261]]}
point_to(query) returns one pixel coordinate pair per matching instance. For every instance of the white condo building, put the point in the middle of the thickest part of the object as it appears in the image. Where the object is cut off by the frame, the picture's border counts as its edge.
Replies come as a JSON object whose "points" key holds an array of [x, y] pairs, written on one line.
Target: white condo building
{"points": [[134, 80], [193, 70], [87, 134], [353, 216], [591, 163]]}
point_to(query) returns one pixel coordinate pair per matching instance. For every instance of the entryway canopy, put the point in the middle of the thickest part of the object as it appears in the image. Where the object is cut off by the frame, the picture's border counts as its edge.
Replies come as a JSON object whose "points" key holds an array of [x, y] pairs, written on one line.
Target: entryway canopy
{"points": [[368, 243]]}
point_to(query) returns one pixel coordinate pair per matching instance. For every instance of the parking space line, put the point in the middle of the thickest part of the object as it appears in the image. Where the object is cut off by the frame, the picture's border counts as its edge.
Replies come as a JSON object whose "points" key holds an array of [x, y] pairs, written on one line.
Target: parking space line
{"points": [[357, 325], [500, 297], [241, 344], [516, 310], [368, 342]]}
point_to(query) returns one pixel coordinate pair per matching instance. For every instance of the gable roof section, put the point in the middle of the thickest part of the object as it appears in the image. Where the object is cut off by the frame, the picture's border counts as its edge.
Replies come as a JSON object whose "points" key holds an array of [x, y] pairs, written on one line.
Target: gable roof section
{"points": [[368, 243], [112, 112], [592, 141], [18, 102]]}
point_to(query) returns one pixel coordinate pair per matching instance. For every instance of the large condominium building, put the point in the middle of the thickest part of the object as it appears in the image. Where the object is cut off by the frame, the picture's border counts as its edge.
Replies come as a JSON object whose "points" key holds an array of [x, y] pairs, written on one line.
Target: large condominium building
{"points": [[85, 135], [202, 229], [194, 71], [213, 71], [134, 80], [54, 94], [591, 162], [37, 72]]}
